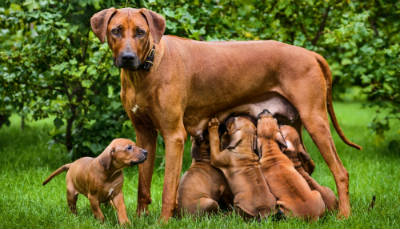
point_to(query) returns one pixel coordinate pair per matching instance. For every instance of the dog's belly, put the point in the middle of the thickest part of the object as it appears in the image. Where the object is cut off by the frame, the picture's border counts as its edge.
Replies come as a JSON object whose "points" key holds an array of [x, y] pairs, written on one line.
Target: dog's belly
{"points": [[196, 119]]}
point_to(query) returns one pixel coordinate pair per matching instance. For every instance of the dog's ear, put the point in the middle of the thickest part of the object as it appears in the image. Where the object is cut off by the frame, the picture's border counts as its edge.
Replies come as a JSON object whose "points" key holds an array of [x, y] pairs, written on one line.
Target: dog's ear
{"points": [[280, 140], [156, 24], [255, 148], [236, 139], [99, 22], [106, 157]]}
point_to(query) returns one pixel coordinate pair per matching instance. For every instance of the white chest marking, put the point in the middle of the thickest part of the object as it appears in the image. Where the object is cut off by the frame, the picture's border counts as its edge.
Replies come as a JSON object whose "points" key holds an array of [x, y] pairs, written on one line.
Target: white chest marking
{"points": [[135, 108]]}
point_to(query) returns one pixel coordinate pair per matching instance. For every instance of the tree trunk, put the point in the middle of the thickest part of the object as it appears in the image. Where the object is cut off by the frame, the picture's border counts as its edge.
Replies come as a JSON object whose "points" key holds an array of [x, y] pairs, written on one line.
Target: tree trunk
{"points": [[68, 133]]}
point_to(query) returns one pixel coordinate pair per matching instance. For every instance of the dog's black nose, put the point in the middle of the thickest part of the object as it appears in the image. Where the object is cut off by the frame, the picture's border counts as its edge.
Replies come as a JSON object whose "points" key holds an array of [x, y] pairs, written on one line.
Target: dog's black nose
{"points": [[128, 57], [145, 152]]}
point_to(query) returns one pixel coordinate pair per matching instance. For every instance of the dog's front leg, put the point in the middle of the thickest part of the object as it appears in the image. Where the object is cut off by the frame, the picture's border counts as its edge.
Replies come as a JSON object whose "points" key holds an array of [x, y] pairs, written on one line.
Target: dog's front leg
{"points": [[119, 204], [174, 143], [95, 205], [147, 139], [218, 157]]}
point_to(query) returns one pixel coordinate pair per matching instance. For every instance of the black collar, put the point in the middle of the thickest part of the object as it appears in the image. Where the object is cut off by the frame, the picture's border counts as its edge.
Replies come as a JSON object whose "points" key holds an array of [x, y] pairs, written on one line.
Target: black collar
{"points": [[148, 62]]}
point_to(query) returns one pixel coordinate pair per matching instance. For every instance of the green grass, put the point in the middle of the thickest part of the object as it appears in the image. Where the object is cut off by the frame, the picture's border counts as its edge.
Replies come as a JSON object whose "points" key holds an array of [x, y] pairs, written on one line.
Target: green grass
{"points": [[26, 160]]}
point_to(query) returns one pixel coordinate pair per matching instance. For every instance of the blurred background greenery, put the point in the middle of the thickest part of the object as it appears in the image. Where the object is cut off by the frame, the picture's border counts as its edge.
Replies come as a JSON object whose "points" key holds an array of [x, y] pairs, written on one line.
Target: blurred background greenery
{"points": [[52, 65]]}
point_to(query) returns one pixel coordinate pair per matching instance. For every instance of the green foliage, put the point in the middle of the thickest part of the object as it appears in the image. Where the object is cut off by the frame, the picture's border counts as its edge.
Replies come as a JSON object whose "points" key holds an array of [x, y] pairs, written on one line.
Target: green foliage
{"points": [[52, 65]]}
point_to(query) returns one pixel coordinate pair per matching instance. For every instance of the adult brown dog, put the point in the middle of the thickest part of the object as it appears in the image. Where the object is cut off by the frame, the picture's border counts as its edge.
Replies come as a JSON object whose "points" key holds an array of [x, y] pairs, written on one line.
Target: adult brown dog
{"points": [[100, 179], [294, 196], [295, 151], [202, 188], [174, 85], [241, 167]]}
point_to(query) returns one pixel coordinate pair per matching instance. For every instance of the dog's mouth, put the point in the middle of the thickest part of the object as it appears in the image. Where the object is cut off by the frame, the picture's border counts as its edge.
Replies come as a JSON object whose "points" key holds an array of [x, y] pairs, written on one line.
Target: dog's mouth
{"points": [[138, 162], [131, 65]]}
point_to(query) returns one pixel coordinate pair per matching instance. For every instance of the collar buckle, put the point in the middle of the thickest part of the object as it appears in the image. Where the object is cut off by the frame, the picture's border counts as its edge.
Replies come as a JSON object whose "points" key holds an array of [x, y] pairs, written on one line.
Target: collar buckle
{"points": [[148, 62]]}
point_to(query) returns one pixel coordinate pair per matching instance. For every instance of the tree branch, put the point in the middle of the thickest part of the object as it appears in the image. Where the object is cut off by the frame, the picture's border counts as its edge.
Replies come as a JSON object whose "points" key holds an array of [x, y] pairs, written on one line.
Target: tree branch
{"points": [[321, 26]]}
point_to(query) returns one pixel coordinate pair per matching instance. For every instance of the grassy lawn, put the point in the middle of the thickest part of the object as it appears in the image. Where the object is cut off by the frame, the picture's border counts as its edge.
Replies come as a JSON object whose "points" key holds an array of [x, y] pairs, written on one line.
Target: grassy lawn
{"points": [[26, 160]]}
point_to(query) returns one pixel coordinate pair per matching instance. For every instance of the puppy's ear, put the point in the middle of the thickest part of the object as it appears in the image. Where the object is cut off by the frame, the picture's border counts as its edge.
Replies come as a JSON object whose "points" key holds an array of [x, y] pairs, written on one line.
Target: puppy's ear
{"points": [[156, 24], [99, 22], [236, 139], [255, 148], [106, 157], [281, 141]]}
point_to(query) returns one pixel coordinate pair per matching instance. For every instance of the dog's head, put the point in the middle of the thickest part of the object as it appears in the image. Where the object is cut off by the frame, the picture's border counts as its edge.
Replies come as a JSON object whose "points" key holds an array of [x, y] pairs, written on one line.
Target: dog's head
{"points": [[268, 129], [122, 153], [200, 148], [241, 131], [131, 33], [292, 139], [295, 148]]}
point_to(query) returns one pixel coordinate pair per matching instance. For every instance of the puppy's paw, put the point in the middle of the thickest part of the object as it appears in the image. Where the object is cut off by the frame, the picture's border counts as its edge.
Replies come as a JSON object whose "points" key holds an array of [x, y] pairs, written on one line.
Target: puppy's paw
{"points": [[213, 123]]}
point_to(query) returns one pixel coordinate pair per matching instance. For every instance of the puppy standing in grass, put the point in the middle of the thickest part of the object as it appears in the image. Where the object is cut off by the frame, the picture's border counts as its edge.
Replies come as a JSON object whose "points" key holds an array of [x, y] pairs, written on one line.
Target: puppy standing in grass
{"points": [[240, 166], [100, 179], [294, 195]]}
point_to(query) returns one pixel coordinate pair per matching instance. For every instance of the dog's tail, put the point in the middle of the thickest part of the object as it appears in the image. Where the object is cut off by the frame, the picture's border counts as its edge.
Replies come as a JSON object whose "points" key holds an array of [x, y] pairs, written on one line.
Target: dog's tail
{"points": [[328, 77], [55, 173]]}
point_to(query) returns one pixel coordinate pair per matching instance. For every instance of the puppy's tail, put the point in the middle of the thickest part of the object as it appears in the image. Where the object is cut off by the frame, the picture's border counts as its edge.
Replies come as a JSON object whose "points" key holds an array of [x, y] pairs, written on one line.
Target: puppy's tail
{"points": [[328, 77], [55, 173]]}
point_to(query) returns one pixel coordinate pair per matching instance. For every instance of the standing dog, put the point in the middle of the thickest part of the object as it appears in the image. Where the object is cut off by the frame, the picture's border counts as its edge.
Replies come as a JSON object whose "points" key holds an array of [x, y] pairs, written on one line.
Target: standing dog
{"points": [[295, 151], [294, 196], [171, 85], [241, 167], [202, 187], [100, 179]]}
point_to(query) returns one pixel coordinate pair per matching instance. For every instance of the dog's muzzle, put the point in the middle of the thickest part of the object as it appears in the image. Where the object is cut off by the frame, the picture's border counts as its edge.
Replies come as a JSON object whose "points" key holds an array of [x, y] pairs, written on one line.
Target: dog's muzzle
{"points": [[127, 60], [142, 159]]}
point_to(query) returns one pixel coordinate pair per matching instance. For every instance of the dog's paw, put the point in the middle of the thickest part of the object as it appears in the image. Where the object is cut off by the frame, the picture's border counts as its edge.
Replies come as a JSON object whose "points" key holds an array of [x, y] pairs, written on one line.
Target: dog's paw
{"points": [[213, 123]]}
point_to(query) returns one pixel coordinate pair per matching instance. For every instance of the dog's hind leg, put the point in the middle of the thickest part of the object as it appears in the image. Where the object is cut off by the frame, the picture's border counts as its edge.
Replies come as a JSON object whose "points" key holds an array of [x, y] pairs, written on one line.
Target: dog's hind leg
{"points": [[315, 120], [72, 197], [207, 205]]}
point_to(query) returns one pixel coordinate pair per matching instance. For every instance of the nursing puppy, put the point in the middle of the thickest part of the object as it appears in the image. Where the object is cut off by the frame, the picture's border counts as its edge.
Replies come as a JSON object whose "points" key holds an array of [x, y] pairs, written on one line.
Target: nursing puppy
{"points": [[294, 196], [240, 166], [294, 151], [203, 188], [100, 179]]}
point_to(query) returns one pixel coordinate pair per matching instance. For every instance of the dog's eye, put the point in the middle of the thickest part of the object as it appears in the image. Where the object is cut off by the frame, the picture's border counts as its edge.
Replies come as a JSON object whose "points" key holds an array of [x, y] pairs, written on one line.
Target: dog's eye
{"points": [[140, 32], [129, 147], [116, 31]]}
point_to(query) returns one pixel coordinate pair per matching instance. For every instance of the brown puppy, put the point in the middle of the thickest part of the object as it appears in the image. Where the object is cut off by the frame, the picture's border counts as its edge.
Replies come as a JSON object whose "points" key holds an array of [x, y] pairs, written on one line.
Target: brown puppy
{"points": [[170, 84], [241, 167], [283, 111], [295, 198], [100, 179], [202, 188], [295, 151]]}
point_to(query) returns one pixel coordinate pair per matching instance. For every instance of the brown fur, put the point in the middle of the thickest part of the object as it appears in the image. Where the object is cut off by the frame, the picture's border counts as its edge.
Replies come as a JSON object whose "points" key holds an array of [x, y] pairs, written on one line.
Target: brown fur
{"points": [[101, 179], [190, 81], [202, 187], [295, 198], [296, 152], [240, 166]]}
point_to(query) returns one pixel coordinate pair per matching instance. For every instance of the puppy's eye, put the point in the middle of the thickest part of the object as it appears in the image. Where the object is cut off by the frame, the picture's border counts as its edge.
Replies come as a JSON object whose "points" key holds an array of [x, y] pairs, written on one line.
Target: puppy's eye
{"points": [[129, 147], [116, 31], [140, 32]]}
